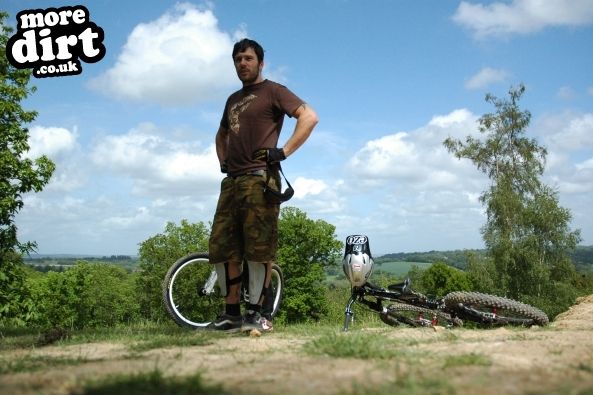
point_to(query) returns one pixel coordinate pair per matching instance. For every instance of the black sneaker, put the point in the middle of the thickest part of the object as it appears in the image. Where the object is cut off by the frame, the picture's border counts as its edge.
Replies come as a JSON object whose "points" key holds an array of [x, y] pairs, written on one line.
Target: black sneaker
{"points": [[254, 320], [226, 323]]}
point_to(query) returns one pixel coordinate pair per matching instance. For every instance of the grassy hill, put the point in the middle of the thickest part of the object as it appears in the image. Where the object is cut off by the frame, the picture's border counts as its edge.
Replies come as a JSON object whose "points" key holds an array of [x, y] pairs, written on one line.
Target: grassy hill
{"points": [[582, 257]]}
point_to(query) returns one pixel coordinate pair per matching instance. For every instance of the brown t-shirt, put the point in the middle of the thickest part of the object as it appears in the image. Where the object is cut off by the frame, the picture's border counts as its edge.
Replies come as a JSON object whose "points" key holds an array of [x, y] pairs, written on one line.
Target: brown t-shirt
{"points": [[254, 116]]}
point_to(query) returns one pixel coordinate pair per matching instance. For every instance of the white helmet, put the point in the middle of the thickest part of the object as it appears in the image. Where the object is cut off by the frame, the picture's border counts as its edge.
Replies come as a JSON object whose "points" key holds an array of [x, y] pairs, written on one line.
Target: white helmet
{"points": [[357, 262]]}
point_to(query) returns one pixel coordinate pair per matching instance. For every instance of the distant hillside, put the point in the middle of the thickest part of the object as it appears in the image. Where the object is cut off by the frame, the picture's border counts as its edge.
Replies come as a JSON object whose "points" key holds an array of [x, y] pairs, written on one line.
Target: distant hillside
{"points": [[59, 262], [456, 258], [582, 257]]}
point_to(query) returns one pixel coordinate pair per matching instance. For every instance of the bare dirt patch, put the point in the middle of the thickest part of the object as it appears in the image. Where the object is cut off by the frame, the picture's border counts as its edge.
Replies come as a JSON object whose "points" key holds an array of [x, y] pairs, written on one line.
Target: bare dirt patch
{"points": [[555, 359]]}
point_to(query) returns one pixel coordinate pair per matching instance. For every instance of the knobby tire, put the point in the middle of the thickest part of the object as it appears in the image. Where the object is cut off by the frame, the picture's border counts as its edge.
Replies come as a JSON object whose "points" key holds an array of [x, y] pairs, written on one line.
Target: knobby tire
{"points": [[401, 313], [495, 310]]}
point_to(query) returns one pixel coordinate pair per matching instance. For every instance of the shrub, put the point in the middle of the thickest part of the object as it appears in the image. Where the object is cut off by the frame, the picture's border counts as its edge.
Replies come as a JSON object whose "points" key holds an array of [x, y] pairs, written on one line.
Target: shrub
{"points": [[16, 306], [87, 295], [157, 255], [440, 279]]}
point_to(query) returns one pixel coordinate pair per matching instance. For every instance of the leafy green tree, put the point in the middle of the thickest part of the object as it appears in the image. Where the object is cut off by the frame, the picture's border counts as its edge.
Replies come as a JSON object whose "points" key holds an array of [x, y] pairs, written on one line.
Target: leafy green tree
{"points": [[481, 273], [18, 175], [17, 308], [305, 248], [86, 295], [158, 253], [440, 279], [527, 233]]}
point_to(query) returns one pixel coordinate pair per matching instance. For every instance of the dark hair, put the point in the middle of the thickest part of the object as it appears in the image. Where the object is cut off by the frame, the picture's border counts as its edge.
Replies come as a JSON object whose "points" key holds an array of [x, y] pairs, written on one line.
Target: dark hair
{"points": [[241, 46]]}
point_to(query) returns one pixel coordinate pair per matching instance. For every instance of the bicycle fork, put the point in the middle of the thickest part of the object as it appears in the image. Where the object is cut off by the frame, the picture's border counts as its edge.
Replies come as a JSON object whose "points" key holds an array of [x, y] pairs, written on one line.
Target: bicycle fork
{"points": [[349, 313]]}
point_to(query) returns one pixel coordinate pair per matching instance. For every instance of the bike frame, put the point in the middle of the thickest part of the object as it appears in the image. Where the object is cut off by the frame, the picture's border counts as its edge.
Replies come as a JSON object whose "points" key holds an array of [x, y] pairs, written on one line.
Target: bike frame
{"points": [[404, 294]]}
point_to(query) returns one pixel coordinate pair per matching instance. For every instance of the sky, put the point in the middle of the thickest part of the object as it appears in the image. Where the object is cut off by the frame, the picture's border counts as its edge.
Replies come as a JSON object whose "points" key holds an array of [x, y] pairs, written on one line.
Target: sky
{"points": [[133, 135]]}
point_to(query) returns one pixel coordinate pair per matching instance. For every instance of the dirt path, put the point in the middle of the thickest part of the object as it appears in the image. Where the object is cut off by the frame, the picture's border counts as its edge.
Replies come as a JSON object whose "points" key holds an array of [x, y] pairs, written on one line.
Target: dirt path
{"points": [[556, 359]]}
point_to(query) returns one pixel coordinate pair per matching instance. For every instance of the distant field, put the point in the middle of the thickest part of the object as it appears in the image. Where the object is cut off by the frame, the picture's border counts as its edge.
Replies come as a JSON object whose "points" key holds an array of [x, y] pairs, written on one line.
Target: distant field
{"points": [[400, 268]]}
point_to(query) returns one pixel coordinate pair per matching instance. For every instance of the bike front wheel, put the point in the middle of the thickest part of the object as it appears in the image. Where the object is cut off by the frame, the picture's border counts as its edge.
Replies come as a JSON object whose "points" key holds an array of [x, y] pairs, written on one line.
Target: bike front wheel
{"points": [[494, 310], [273, 294]]}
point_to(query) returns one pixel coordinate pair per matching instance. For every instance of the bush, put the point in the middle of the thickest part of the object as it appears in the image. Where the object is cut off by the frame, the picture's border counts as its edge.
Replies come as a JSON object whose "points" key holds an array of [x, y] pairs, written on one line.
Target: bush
{"points": [[87, 295], [441, 279], [17, 308], [305, 248], [157, 255]]}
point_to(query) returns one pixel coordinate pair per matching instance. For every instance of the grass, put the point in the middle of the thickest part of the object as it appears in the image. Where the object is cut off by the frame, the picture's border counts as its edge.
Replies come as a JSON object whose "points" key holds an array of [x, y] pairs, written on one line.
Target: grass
{"points": [[139, 337], [360, 345], [471, 359], [400, 268], [186, 339], [412, 366], [34, 363], [150, 383], [406, 383]]}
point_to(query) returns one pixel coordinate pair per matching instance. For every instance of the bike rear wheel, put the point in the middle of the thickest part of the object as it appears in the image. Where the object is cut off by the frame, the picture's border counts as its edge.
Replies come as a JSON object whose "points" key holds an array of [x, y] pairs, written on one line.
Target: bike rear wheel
{"points": [[184, 291], [192, 297], [494, 310], [401, 313]]}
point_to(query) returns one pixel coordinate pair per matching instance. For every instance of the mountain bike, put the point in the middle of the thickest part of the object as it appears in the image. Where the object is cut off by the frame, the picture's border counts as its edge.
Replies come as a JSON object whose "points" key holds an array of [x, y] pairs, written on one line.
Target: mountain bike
{"points": [[413, 308], [192, 296]]}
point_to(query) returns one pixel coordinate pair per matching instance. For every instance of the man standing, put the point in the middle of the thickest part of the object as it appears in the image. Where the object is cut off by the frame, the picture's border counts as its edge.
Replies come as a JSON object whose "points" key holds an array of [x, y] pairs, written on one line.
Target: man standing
{"points": [[245, 225]]}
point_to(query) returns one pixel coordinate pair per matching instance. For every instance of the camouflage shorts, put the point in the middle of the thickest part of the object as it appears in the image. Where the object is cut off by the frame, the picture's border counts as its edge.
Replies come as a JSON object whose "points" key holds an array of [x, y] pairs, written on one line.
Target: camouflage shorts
{"points": [[245, 225]]}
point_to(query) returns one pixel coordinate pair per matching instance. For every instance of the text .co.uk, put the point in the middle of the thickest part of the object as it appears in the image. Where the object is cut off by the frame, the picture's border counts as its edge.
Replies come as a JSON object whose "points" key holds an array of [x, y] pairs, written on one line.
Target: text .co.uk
{"points": [[53, 41]]}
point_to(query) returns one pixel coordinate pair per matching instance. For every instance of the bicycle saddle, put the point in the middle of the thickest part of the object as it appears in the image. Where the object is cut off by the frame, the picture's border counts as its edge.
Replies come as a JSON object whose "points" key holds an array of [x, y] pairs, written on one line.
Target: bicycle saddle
{"points": [[400, 287]]}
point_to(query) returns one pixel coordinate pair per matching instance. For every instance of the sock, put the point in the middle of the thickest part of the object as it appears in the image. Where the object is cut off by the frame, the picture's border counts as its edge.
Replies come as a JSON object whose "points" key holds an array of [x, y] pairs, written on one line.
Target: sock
{"points": [[233, 309], [254, 308]]}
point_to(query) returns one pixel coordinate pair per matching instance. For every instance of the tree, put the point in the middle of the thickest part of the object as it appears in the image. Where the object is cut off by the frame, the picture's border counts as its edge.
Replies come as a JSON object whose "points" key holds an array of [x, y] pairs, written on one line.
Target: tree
{"points": [[158, 253], [84, 296], [440, 279], [18, 175], [305, 248], [526, 232]]}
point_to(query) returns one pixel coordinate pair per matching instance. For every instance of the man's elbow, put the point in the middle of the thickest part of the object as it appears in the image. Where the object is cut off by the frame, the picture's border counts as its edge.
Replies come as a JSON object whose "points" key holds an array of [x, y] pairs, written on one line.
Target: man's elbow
{"points": [[312, 117]]}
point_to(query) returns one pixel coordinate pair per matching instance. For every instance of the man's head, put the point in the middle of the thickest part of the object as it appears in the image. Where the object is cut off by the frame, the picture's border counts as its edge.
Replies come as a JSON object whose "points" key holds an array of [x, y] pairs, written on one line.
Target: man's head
{"points": [[248, 57], [241, 46]]}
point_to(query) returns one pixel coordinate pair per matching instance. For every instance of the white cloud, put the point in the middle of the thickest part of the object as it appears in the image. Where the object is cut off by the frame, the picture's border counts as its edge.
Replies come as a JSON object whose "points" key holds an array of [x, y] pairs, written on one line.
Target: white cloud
{"points": [[306, 186], [566, 132], [61, 146], [522, 16], [180, 58], [50, 141], [141, 216], [416, 158], [486, 77], [407, 186], [568, 138], [586, 165], [156, 163], [566, 93], [387, 156]]}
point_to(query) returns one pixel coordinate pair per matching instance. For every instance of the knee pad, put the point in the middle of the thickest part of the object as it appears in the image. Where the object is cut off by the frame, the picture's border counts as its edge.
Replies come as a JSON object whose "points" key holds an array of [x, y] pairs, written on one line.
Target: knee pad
{"points": [[222, 277], [257, 279]]}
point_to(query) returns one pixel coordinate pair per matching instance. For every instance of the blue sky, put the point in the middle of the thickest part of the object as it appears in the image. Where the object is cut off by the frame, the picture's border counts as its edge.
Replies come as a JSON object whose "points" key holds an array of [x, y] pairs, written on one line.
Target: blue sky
{"points": [[133, 135]]}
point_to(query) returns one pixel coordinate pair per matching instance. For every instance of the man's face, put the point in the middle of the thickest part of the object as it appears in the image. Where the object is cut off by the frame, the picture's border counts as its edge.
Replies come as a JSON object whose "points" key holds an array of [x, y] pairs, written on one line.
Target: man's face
{"points": [[248, 66]]}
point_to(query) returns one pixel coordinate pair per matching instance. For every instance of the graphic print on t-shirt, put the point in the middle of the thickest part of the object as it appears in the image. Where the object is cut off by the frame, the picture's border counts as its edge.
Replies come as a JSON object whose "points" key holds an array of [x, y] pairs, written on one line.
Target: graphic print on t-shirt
{"points": [[236, 110]]}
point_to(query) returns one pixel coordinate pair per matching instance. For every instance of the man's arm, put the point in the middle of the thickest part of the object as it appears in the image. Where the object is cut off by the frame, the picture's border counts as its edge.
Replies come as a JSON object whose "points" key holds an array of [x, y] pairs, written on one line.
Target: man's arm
{"points": [[306, 121], [222, 138]]}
